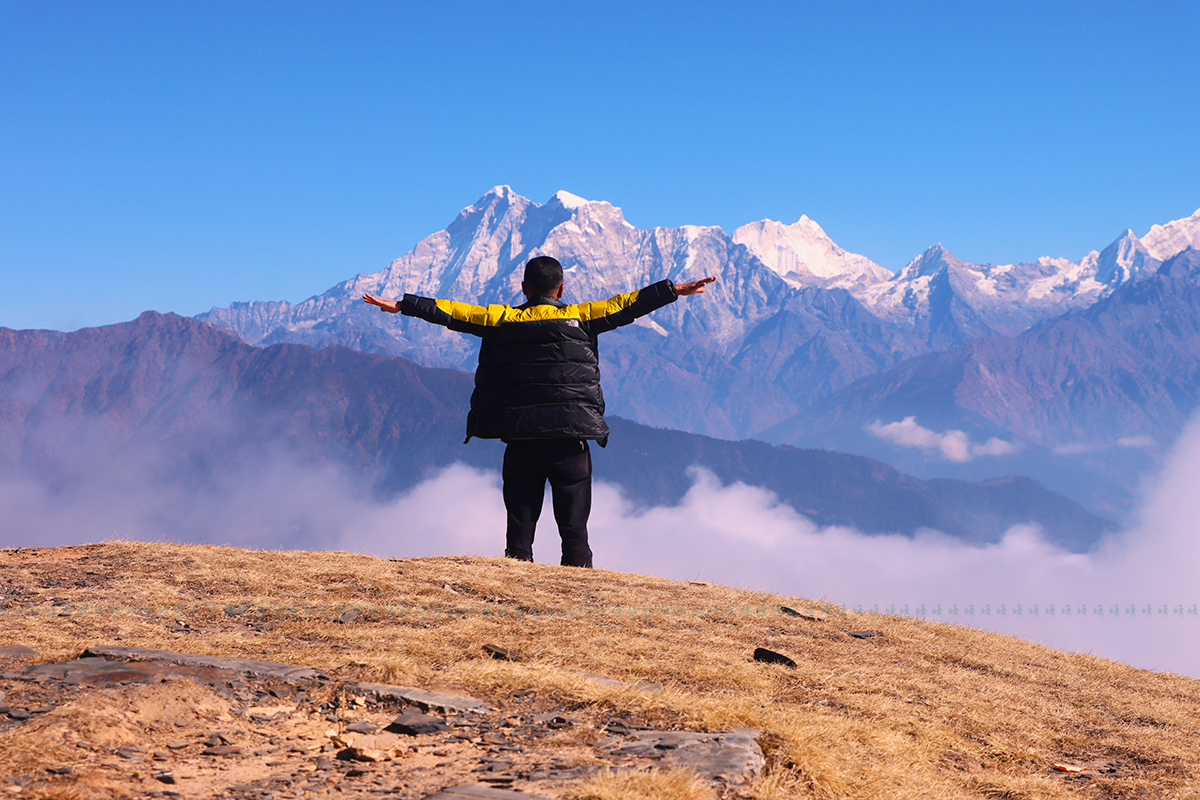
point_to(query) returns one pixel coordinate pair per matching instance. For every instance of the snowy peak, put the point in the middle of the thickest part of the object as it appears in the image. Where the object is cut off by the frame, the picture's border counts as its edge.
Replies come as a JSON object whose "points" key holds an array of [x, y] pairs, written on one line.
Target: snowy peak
{"points": [[1164, 241], [1122, 260], [934, 260], [802, 253], [567, 200]]}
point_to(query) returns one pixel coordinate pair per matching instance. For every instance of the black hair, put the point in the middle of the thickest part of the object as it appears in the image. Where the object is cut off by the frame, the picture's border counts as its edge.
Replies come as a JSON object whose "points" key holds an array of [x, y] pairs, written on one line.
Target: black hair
{"points": [[542, 276]]}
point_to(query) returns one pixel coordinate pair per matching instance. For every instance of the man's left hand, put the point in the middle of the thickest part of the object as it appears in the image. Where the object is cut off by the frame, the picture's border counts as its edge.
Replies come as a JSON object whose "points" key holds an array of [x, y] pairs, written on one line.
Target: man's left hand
{"points": [[692, 287], [390, 306]]}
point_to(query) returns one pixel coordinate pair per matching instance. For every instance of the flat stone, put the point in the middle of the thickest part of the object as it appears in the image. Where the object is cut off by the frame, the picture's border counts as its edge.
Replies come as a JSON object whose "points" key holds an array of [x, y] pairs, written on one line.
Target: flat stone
{"points": [[732, 757], [475, 791], [426, 701], [412, 723], [771, 657], [805, 613], [96, 671], [864, 634], [259, 669], [642, 686], [17, 651], [222, 750], [499, 653]]}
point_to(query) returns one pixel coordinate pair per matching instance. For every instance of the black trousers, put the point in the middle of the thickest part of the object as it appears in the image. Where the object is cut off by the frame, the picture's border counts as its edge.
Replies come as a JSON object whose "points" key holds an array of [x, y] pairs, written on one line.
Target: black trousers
{"points": [[567, 464]]}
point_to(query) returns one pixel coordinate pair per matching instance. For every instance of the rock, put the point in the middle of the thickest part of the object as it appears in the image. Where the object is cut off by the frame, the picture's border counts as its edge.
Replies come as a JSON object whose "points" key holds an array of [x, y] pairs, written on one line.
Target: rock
{"points": [[17, 651], [259, 669], [370, 747], [426, 701], [498, 653], [361, 727], [164, 777], [222, 750], [805, 613], [59, 770], [349, 616], [642, 686], [479, 792], [130, 751], [771, 657], [19, 714], [733, 757], [97, 671], [412, 723], [864, 634]]}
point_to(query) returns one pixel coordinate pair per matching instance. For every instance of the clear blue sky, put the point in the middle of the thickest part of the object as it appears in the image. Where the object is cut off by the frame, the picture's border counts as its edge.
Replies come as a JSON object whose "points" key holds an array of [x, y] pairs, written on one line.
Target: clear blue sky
{"points": [[175, 156]]}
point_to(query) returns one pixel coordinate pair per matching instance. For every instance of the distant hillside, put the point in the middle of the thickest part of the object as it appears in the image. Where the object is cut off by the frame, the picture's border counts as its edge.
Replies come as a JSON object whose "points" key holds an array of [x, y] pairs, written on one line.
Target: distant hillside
{"points": [[165, 401]]}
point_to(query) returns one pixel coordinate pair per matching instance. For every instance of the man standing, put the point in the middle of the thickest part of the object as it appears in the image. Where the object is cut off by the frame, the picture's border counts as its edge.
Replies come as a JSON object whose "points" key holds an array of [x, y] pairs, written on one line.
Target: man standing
{"points": [[537, 388]]}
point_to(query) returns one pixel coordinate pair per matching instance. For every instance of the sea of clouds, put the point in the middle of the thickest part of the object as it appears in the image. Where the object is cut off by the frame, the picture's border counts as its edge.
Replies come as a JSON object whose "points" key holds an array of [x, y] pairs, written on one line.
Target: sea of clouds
{"points": [[1133, 599]]}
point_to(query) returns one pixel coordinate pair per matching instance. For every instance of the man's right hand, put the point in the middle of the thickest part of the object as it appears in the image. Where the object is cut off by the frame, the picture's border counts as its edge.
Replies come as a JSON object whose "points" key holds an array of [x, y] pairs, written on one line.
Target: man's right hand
{"points": [[390, 306]]}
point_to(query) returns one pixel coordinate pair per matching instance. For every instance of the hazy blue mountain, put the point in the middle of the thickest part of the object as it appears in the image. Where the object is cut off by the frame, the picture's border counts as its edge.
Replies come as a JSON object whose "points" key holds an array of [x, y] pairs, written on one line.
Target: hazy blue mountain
{"points": [[176, 407], [1107, 387]]}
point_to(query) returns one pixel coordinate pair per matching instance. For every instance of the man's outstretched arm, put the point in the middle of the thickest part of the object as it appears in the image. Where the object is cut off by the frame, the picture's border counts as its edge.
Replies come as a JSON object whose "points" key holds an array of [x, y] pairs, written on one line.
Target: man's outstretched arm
{"points": [[692, 287], [390, 306]]}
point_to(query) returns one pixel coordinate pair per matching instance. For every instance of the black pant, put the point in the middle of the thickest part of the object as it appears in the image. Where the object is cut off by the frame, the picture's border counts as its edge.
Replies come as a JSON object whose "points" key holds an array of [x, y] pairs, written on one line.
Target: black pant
{"points": [[567, 464]]}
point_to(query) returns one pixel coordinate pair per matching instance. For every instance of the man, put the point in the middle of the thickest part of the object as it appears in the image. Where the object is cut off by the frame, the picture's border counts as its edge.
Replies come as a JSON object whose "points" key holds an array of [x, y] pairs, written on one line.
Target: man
{"points": [[537, 387]]}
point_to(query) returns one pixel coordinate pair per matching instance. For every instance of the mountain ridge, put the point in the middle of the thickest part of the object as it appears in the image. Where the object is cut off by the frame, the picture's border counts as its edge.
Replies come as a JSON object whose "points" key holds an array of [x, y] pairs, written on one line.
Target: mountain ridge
{"points": [[177, 404]]}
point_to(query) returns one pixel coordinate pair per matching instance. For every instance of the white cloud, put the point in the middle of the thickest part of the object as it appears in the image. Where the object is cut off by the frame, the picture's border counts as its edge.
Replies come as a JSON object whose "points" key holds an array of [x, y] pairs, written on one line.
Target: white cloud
{"points": [[954, 445], [1130, 442]]}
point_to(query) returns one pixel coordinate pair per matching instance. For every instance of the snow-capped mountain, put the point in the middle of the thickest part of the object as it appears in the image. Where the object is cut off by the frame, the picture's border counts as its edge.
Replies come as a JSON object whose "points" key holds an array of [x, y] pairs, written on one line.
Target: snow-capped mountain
{"points": [[748, 353], [793, 317], [948, 301], [803, 255], [1164, 241]]}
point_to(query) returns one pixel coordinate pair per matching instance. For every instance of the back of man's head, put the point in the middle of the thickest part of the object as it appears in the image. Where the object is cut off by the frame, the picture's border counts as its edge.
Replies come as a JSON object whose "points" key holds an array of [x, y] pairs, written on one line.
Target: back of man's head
{"points": [[543, 275]]}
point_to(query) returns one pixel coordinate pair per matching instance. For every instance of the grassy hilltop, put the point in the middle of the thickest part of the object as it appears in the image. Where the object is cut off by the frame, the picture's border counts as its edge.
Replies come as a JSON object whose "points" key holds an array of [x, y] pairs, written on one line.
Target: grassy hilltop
{"points": [[924, 709]]}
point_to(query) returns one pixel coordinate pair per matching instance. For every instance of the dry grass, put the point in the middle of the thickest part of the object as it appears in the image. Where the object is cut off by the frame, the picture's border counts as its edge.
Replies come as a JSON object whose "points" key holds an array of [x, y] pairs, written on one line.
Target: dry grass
{"points": [[643, 785], [925, 710]]}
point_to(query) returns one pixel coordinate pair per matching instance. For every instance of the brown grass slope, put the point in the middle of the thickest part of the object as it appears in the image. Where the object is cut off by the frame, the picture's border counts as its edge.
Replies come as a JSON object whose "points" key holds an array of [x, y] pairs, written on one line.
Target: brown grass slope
{"points": [[923, 710]]}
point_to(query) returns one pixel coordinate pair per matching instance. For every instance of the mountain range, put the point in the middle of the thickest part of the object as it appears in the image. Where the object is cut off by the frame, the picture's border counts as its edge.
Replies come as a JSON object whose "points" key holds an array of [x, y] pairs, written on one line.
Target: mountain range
{"points": [[795, 341], [170, 407]]}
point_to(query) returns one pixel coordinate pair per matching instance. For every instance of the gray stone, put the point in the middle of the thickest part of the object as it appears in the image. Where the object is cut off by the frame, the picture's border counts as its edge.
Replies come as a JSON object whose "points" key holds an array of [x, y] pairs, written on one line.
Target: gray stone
{"points": [[732, 757], [642, 686], [17, 651], [805, 613], [222, 750], [771, 657], [412, 723], [499, 653], [426, 701], [476, 791], [864, 634], [259, 669]]}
